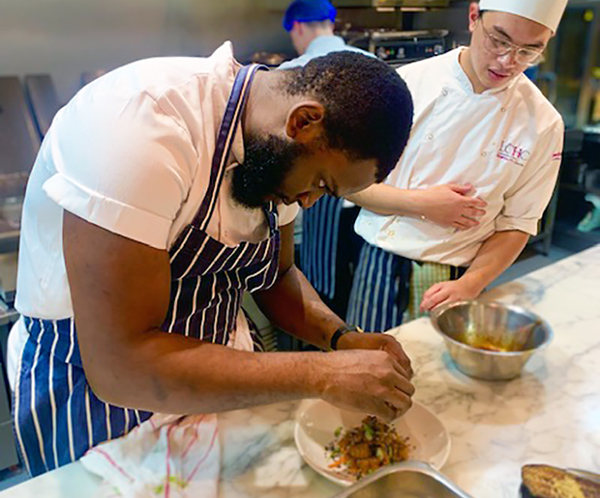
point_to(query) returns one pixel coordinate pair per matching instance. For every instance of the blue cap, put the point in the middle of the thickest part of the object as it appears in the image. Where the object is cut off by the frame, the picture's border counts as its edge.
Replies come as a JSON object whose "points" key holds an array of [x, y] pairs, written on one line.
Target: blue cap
{"points": [[308, 11]]}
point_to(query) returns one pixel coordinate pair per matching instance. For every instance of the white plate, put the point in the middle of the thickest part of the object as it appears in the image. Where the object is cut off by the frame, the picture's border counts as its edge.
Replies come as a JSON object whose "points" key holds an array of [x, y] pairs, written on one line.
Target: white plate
{"points": [[316, 422]]}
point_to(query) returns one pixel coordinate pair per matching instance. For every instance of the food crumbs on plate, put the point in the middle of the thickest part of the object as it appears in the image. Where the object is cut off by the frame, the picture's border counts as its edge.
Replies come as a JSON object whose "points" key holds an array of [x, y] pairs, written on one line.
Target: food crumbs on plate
{"points": [[366, 448]]}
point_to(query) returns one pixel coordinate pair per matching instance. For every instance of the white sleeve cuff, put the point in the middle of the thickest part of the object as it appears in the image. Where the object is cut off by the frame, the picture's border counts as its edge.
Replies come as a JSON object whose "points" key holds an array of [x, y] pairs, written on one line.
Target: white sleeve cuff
{"points": [[119, 218], [526, 225]]}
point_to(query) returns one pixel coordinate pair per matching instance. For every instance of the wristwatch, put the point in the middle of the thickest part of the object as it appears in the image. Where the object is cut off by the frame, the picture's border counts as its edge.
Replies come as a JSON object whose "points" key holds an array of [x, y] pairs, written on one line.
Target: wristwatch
{"points": [[344, 329]]}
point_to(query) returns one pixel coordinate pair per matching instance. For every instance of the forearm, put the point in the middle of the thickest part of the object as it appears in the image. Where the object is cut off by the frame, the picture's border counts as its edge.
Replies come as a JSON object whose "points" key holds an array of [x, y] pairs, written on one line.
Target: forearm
{"points": [[494, 257], [174, 374], [293, 305], [388, 201]]}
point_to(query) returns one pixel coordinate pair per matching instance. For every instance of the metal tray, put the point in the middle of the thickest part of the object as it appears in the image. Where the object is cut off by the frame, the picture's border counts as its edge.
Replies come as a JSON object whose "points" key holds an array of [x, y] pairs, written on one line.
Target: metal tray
{"points": [[404, 480]]}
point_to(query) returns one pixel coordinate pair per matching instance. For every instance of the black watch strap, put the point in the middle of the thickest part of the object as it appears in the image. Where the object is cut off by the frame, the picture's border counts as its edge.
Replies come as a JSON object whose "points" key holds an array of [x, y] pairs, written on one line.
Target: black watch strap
{"points": [[344, 329]]}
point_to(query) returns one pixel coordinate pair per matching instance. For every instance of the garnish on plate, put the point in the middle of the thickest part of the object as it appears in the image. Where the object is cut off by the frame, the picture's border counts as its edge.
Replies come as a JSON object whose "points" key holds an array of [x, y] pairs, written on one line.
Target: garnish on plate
{"points": [[368, 447]]}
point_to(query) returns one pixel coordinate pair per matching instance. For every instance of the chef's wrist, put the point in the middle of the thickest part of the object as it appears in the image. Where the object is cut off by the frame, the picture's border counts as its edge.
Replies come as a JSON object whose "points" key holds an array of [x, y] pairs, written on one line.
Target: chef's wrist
{"points": [[341, 336], [473, 284]]}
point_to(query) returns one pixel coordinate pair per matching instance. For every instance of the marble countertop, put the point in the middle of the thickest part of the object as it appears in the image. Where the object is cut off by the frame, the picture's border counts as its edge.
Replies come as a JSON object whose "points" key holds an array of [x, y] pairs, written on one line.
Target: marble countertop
{"points": [[551, 414]]}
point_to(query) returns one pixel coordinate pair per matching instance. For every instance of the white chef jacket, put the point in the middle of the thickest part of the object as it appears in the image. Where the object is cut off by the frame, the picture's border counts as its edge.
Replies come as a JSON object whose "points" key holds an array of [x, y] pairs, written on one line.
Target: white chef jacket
{"points": [[131, 153], [506, 142]]}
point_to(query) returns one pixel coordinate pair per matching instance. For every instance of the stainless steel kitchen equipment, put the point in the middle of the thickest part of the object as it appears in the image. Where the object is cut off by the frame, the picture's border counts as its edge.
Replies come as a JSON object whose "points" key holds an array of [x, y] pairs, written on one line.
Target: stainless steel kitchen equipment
{"points": [[19, 144], [398, 4], [8, 454], [490, 341], [398, 47], [404, 480], [43, 100]]}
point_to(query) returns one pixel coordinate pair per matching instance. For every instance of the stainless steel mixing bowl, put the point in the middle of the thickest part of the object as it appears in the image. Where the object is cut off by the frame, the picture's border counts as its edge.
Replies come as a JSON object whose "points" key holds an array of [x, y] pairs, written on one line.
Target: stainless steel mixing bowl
{"points": [[489, 340]]}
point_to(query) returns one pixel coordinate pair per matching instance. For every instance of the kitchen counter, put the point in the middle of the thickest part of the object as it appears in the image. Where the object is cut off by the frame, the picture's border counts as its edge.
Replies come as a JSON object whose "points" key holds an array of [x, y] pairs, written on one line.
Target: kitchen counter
{"points": [[549, 415]]}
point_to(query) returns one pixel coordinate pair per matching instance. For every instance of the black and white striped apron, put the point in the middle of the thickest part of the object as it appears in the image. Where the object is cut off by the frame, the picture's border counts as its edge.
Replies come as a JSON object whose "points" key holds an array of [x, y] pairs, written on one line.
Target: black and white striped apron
{"points": [[57, 417]]}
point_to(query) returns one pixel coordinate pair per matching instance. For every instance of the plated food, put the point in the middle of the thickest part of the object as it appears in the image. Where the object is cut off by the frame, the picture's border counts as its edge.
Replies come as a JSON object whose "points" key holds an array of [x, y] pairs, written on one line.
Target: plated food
{"points": [[316, 422], [367, 447]]}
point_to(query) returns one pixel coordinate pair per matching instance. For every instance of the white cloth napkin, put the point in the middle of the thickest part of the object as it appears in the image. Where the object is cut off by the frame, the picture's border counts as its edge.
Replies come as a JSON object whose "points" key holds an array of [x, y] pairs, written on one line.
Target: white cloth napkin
{"points": [[167, 456], [170, 456]]}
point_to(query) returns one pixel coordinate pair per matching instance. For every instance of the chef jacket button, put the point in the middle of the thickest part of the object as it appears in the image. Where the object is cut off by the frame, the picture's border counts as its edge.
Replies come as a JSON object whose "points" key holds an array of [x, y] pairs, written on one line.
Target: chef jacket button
{"points": [[503, 109], [483, 154], [430, 137]]}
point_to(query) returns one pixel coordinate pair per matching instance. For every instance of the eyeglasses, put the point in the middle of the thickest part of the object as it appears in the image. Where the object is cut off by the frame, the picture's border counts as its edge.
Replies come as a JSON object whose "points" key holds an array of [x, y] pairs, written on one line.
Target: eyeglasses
{"points": [[497, 46]]}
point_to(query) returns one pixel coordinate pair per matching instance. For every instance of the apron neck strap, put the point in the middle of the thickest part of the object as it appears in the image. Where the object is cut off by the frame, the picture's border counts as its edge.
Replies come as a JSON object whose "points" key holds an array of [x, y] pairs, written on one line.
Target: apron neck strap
{"points": [[229, 125]]}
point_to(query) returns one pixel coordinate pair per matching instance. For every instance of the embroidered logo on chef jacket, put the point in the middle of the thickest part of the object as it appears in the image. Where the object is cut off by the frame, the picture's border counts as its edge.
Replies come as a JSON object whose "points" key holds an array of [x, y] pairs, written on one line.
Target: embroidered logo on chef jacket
{"points": [[513, 153]]}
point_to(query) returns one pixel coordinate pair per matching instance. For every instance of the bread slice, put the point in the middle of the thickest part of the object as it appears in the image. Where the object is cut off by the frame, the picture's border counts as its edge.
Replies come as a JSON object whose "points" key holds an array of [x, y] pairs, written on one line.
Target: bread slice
{"points": [[544, 481]]}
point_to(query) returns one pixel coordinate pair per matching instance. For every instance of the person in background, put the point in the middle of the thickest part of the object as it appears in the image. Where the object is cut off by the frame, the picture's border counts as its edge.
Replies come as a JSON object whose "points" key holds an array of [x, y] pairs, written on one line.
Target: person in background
{"points": [[310, 24], [480, 121], [162, 192], [329, 248]]}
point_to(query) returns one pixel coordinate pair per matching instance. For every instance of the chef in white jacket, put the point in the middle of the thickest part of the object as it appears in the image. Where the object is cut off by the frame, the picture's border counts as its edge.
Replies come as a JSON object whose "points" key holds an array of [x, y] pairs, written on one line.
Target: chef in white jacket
{"points": [[480, 121]]}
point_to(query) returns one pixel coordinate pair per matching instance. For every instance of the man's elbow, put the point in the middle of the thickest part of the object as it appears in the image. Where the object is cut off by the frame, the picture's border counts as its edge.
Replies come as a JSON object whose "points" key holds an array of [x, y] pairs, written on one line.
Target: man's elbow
{"points": [[110, 385]]}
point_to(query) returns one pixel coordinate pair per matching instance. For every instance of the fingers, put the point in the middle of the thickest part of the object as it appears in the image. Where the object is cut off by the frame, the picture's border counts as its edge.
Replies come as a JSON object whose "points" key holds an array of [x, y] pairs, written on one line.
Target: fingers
{"points": [[394, 349], [468, 218], [400, 402], [441, 303], [403, 368], [433, 289], [391, 395], [464, 223], [477, 202], [460, 189], [384, 410], [396, 405], [402, 383], [434, 299], [473, 212]]}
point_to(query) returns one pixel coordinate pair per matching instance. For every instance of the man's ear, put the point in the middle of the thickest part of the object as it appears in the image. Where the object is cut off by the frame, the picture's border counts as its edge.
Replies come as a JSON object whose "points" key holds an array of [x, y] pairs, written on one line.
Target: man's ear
{"points": [[305, 121], [474, 15]]}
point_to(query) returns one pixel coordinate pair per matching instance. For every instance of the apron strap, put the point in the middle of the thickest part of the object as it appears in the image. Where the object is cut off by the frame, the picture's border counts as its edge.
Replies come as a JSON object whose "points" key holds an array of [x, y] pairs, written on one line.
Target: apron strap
{"points": [[229, 125]]}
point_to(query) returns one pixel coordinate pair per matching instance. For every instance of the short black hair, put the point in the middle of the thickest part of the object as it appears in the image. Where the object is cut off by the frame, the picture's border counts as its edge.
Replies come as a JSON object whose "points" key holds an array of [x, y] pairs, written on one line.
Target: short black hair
{"points": [[368, 107]]}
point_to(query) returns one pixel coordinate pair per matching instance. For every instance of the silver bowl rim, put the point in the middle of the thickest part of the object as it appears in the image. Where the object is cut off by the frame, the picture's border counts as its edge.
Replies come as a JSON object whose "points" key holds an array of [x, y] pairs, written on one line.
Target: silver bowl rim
{"points": [[434, 315]]}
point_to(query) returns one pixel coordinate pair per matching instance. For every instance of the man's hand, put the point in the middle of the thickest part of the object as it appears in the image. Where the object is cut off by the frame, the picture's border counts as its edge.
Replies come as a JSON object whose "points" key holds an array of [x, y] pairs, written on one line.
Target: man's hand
{"points": [[368, 381], [448, 292], [355, 340], [495, 255], [449, 206]]}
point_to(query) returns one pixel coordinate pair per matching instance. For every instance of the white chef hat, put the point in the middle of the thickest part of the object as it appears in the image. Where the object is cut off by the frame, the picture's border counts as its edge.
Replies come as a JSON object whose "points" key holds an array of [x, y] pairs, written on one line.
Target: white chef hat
{"points": [[545, 12]]}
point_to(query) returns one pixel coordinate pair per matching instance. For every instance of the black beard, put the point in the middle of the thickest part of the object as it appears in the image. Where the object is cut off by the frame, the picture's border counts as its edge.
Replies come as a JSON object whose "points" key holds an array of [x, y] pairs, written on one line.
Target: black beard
{"points": [[267, 161]]}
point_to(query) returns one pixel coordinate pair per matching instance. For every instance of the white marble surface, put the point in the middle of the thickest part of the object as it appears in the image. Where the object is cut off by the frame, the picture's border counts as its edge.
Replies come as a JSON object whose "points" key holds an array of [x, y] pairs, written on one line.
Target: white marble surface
{"points": [[549, 415]]}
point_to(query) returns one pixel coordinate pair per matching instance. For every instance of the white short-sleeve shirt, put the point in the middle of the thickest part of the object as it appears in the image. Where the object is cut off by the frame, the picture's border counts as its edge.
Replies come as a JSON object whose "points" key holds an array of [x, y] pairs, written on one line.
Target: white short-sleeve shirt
{"points": [[506, 142], [131, 153]]}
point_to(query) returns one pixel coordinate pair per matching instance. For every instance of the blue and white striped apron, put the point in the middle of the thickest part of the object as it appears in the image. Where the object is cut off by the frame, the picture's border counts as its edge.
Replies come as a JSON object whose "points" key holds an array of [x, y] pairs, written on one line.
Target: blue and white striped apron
{"points": [[318, 250], [381, 289], [57, 417], [329, 250]]}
